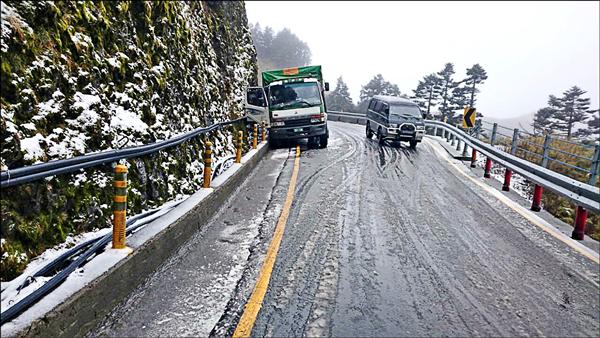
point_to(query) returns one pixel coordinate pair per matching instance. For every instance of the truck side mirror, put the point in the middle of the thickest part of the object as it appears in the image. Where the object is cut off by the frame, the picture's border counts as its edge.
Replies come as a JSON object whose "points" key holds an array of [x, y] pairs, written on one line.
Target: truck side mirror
{"points": [[326, 86], [256, 96]]}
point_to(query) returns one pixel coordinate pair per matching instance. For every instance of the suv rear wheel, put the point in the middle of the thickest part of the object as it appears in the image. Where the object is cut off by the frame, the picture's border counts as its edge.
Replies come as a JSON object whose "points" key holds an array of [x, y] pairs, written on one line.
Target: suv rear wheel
{"points": [[380, 136], [369, 131]]}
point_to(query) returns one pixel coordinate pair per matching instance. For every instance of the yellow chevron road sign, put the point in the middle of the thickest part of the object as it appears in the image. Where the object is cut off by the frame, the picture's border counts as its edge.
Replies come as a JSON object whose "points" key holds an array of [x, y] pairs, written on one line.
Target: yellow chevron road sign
{"points": [[469, 117]]}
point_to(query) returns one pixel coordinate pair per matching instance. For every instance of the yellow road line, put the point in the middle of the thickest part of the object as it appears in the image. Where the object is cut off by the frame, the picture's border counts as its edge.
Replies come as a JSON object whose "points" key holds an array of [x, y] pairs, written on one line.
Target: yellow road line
{"points": [[246, 323], [536, 220]]}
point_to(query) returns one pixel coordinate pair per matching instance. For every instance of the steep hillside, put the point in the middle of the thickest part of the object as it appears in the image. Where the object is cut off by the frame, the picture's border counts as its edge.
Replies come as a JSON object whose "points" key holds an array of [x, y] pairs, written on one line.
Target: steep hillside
{"points": [[79, 77]]}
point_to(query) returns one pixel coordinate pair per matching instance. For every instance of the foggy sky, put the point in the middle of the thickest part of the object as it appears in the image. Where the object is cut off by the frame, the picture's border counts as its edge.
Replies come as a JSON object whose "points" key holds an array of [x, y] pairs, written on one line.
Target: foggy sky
{"points": [[529, 49]]}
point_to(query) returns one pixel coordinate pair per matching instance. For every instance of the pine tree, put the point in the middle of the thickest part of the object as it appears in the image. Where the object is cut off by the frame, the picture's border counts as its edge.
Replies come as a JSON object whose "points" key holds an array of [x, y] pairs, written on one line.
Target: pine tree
{"points": [[458, 100], [258, 38], [475, 75], [281, 50], [594, 125], [447, 87], [427, 93], [378, 86], [339, 99], [287, 50], [542, 121], [592, 129], [571, 108]]}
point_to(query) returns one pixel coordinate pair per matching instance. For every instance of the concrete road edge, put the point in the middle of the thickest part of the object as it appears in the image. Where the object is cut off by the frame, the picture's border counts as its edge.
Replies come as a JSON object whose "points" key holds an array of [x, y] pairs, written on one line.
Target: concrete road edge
{"points": [[84, 309]]}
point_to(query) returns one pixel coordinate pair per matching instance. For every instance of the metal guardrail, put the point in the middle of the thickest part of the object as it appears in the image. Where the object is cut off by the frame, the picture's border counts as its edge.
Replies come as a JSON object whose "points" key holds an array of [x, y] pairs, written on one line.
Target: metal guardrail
{"points": [[82, 252], [585, 195], [35, 172], [547, 149]]}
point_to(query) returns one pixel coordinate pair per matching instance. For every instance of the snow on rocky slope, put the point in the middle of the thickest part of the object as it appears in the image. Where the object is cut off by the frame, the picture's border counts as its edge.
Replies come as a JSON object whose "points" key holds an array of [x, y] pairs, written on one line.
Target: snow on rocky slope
{"points": [[80, 77]]}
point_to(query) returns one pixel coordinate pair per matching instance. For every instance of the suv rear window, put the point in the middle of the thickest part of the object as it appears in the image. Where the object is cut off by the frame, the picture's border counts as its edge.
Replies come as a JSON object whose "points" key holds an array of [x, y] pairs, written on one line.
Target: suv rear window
{"points": [[372, 104], [377, 107]]}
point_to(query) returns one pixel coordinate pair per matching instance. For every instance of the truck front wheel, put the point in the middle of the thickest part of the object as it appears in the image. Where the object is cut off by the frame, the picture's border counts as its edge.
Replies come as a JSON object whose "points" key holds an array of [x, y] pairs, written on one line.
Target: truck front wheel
{"points": [[273, 143], [323, 141], [413, 143]]}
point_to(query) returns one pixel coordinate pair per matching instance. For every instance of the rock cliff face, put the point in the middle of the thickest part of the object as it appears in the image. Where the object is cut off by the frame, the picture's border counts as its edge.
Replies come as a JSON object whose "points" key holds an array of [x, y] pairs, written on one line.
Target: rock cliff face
{"points": [[79, 77]]}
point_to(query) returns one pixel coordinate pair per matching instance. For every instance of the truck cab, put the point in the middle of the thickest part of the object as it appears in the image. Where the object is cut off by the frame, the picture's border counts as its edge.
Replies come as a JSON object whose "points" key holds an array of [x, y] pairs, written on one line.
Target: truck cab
{"points": [[292, 104]]}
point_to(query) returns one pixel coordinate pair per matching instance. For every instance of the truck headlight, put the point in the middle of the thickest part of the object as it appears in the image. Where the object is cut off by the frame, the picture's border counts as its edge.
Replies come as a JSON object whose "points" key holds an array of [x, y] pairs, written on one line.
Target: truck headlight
{"points": [[317, 118]]}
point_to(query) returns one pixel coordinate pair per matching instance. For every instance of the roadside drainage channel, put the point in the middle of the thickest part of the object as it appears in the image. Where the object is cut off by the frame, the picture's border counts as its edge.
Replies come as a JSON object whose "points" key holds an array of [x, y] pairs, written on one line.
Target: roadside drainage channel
{"points": [[82, 300], [449, 148]]}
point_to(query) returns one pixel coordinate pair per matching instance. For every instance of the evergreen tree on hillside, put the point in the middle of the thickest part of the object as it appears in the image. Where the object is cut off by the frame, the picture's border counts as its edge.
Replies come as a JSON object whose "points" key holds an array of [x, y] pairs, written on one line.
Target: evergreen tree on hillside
{"points": [[281, 50], [592, 129], [287, 50], [428, 92], [475, 75], [542, 121], [339, 99], [594, 125], [458, 100], [571, 108], [377, 86], [447, 106], [268, 36]]}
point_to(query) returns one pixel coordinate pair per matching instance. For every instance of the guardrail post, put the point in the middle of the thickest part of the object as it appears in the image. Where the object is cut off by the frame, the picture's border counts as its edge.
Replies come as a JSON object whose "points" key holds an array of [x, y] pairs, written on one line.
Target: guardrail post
{"points": [[515, 139], [494, 133], [507, 176], [238, 146], [263, 132], [458, 144], [595, 165], [513, 151], [207, 164], [434, 130], [579, 225], [488, 168], [545, 157], [119, 207], [536, 204], [473, 158], [465, 150], [454, 139], [255, 136]]}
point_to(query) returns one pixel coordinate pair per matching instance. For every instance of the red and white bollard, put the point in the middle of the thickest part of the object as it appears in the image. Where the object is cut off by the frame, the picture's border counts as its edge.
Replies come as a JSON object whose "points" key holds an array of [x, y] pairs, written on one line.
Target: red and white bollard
{"points": [[507, 176], [536, 204], [473, 158], [580, 222], [488, 168]]}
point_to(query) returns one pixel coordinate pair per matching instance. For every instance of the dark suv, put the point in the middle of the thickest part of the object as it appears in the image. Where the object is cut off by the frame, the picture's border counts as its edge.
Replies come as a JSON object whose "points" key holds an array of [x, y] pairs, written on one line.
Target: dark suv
{"points": [[394, 118]]}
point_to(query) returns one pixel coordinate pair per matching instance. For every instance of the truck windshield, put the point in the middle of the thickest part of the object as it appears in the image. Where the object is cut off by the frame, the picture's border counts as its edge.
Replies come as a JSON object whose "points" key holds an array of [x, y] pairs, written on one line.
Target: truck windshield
{"points": [[399, 112], [294, 95]]}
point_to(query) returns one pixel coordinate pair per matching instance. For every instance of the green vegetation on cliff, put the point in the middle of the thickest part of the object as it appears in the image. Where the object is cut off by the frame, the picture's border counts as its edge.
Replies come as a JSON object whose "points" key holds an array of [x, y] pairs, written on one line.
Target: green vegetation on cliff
{"points": [[79, 77]]}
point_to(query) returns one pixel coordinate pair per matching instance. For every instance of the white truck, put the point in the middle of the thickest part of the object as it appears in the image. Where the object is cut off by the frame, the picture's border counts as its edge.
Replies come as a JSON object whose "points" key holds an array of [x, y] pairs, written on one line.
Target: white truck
{"points": [[292, 105]]}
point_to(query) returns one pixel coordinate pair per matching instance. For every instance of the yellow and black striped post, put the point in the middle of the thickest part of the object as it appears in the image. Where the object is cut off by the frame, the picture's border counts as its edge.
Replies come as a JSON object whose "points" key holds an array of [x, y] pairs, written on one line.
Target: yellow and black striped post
{"points": [[207, 164], [255, 137], [238, 145], [264, 132], [119, 207]]}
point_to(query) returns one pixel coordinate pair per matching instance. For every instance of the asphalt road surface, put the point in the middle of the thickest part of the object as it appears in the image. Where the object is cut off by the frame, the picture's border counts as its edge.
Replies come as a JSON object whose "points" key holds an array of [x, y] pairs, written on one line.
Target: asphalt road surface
{"points": [[380, 241]]}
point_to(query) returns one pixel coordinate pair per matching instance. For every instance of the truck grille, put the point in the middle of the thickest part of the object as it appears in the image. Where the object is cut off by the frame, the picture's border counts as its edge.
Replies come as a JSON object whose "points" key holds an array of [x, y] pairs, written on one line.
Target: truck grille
{"points": [[297, 122]]}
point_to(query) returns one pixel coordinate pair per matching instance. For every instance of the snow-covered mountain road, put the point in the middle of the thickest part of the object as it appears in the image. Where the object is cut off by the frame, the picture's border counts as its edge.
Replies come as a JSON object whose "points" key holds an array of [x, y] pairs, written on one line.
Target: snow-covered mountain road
{"points": [[380, 241]]}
